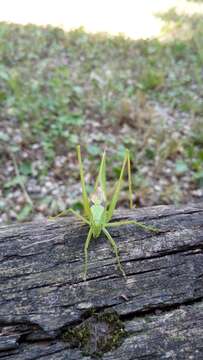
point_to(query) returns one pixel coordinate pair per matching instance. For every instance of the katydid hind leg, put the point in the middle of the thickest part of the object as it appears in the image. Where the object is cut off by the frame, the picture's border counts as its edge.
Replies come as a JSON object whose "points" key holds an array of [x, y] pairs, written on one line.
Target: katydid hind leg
{"points": [[115, 249], [129, 180], [117, 188], [86, 204]]}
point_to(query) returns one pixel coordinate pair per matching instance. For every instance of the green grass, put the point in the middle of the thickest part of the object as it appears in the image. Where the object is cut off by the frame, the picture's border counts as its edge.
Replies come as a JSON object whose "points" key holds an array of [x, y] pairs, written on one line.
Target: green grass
{"points": [[59, 89]]}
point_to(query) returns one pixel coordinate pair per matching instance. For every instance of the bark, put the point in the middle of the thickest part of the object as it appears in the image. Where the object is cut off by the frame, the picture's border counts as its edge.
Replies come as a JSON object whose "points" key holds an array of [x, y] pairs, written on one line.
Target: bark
{"points": [[47, 311]]}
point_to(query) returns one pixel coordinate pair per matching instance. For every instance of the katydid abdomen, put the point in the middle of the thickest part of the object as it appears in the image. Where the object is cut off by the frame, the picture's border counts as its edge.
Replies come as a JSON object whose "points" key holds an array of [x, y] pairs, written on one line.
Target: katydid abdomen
{"points": [[97, 219]]}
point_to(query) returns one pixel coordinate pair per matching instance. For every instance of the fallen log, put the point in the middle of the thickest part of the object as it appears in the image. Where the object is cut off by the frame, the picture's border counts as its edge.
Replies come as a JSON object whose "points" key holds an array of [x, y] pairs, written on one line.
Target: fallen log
{"points": [[47, 311]]}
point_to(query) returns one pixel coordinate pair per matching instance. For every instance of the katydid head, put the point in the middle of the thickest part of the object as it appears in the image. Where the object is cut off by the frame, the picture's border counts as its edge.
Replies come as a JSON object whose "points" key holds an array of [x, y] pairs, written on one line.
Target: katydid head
{"points": [[98, 196]]}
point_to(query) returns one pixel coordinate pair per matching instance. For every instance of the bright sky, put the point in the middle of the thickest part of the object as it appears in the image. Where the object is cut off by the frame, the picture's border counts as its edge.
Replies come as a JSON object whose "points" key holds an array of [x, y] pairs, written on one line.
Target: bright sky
{"points": [[134, 18]]}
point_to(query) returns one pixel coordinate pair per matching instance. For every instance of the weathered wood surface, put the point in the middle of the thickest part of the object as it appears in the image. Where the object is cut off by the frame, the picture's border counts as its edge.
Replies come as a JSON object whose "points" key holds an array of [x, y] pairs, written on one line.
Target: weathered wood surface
{"points": [[159, 305]]}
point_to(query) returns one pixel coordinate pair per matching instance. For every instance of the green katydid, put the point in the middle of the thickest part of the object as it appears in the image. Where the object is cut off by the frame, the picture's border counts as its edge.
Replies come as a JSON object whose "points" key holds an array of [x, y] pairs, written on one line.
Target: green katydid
{"points": [[98, 212]]}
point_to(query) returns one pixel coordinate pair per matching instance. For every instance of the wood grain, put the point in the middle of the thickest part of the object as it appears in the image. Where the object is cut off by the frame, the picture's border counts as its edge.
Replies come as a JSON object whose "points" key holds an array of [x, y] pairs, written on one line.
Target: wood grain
{"points": [[157, 309]]}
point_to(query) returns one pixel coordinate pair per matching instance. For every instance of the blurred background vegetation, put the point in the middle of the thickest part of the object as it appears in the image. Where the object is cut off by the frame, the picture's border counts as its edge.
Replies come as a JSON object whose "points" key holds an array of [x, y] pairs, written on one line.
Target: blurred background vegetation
{"points": [[59, 89]]}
